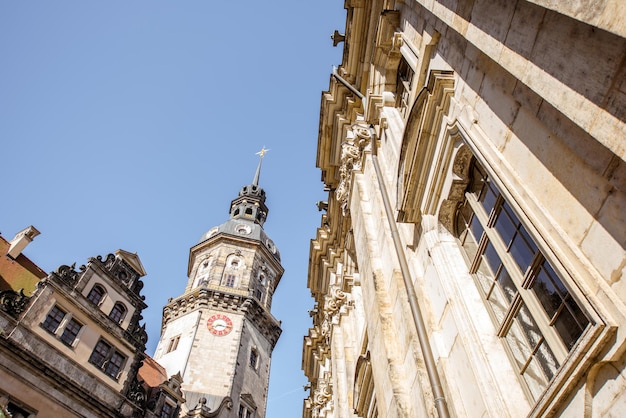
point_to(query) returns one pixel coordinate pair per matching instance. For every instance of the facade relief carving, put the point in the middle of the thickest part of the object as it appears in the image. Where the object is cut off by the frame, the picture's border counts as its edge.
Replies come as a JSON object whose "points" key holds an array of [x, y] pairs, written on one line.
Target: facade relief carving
{"points": [[460, 171], [351, 159], [13, 303], [67, 274], [334, 301], [322, 396]]}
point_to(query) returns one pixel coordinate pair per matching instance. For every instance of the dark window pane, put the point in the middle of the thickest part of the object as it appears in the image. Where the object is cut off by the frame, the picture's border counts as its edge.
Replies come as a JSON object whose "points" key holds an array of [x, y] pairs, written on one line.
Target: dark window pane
{"points": [[114, 364], [523, 249], [96, 294], [506, 224], [558, 284], [492, 258], [118, 312], [547, 293], [488, 196], [71, 332], [100, 353], [476, 228], [166, 411], [254, 358], [570, 323], [230, 280], [54, 318]]}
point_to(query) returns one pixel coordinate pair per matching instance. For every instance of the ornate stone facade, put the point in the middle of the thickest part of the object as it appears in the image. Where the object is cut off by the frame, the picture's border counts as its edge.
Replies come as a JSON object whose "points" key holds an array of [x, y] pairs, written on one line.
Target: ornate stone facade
{"points": [[72, 344], [470, 258]]}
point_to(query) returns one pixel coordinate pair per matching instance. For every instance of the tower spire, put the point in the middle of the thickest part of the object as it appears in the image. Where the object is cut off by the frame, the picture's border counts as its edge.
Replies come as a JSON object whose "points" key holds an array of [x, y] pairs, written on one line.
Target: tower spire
{"points": [[250, 204], [257, 175]]}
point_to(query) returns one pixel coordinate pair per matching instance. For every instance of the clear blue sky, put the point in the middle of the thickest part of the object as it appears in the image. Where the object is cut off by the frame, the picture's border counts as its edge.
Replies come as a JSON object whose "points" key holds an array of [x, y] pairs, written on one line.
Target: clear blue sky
{"points": [[133, 124]]}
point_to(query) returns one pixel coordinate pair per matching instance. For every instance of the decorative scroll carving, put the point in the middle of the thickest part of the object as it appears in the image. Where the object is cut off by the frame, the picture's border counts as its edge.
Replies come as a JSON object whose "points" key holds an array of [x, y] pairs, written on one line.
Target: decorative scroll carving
{"points": [[121, 271], [351, 159], [334, 301], [137, 393], [13, 302], [67, 274], [323, 395]]}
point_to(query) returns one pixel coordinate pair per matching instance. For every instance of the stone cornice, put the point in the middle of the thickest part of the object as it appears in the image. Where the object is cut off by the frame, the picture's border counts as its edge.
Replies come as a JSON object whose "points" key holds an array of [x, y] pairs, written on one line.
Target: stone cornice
{"points": [[225, 299]]}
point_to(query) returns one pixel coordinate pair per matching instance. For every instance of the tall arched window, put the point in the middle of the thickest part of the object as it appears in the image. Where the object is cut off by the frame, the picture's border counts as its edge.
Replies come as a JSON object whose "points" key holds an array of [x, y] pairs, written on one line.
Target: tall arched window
{"points": [[202, 273], [533, 310], [234, 264], [96, 294], [118, 312]]}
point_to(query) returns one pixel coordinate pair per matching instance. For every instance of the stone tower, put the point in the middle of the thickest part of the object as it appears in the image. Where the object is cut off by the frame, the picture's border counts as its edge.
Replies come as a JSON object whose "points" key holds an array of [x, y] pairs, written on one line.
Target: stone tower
{"points": [[219, 334]]}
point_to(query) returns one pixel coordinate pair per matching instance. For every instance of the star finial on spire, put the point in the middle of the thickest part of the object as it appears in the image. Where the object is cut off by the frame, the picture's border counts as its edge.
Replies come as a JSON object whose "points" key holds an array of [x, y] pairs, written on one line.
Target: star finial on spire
{"points": [[262, 152]]}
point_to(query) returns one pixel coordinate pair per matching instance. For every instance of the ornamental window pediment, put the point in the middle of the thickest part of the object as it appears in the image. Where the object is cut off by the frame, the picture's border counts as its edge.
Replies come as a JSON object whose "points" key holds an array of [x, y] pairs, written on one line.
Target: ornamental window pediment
{"points": [[421, 155]]}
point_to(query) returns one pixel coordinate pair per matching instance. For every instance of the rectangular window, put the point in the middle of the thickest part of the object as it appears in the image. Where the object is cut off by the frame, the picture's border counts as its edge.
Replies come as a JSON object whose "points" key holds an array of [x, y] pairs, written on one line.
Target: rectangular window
{"points": [[100, 354], [107, 359], [173, 345], [533, 310], [114, 364], [230, 280], [244, 412], [53, 320], [167, 411], [254, 359], [15, 410], [71, 332], [404, 83]]}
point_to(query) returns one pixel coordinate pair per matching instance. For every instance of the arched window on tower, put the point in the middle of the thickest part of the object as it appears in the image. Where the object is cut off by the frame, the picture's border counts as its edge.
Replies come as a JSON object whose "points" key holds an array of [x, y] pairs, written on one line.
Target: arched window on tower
{"points": [[202, 274], [230, 277]]}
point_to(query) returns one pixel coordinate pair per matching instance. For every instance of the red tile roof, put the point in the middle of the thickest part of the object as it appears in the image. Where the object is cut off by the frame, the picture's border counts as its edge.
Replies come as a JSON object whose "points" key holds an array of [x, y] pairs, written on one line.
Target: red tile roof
{"points": [[152, 373], [18, 273]]}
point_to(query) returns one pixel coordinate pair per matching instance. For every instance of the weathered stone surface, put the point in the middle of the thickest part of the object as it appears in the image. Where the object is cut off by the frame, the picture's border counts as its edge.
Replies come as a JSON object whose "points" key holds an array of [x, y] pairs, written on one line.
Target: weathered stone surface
{"points": [[536, 100]]}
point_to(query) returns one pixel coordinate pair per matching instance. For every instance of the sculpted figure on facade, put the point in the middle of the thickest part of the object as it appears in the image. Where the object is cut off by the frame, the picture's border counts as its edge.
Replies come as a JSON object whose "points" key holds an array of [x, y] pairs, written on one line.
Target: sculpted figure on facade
{"points": [[351, 159]]}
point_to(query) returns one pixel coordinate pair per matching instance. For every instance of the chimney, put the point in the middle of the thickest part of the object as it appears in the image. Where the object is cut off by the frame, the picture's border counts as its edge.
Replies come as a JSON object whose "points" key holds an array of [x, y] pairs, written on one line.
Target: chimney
{"points": [[21, 240]]}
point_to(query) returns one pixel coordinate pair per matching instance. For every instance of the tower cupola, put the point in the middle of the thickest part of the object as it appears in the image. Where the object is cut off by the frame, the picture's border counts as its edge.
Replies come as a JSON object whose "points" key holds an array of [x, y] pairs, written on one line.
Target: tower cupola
{"points": [[250, 204]]}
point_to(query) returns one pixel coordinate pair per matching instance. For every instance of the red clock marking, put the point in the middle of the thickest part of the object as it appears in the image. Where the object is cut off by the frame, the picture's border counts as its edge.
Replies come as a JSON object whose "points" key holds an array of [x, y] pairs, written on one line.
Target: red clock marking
{"points": [[219, 324]]}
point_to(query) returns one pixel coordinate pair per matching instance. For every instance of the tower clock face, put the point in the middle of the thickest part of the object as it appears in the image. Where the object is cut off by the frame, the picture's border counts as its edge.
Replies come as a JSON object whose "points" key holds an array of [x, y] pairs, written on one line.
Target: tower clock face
{"points": [[219, 325]]}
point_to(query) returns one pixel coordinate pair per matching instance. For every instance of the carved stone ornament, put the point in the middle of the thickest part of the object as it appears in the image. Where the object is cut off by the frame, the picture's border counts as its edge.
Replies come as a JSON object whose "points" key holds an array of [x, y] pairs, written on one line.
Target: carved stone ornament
{"points": [[322, 396], [68, 274], [201, 410], [13, 302], [141, 335], [334, 301], [351, 159], [137, 393], [461, 178]]}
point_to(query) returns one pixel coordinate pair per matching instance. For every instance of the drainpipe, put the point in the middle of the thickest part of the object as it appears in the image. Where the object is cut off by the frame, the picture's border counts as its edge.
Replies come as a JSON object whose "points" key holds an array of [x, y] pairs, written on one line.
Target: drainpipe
{"points": [[418, 318]]}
